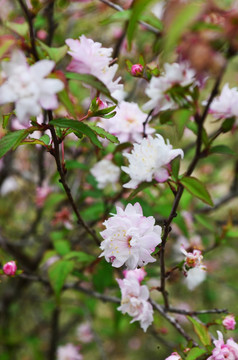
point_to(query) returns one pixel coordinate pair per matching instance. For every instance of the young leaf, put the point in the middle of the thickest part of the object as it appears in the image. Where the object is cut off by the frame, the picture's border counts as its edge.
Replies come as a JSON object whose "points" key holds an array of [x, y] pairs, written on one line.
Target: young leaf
{"points": [[80, 256], [180, 119], [92, 81], [11, 140], [55, 54], [201, 331], [227, 124], [64, 98], [103, 133], [58, 273], [197, 188], [221, 149], [175, 165], [78, 126], [195, 353]]}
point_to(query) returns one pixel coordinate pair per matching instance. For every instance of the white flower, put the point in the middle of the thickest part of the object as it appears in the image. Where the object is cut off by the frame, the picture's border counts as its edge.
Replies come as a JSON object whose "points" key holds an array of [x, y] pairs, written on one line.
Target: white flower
{"points": [[127, 124], [68, 352], [27, 87], [193, 259], [150, 159], [90, 57], [195, 277], [226, 104], [174, 74], [105, 173], [84, 332], [135, 302], [130, 238]]}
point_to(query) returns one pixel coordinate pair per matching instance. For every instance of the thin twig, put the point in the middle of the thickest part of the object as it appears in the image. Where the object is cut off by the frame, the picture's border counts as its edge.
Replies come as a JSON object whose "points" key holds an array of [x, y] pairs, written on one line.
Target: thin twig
{"points": [[149, 116], [199, 312]]}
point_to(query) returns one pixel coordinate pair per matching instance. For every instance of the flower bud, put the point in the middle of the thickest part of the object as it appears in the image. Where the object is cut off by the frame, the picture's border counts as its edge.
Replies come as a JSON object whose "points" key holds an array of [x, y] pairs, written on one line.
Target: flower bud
{"points": [[101, 104], [10, 268], [229, 322], [137, 70]]}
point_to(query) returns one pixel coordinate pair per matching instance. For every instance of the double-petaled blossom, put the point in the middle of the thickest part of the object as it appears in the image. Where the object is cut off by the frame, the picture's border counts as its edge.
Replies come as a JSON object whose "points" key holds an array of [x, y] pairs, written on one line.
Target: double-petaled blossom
{"points": [[27, 87], [195, 277], [174, 356], [229, 322], [135, 300], [106, 173], [68, 352], [174, 74], [193, 259], [139, 274], [150, 160], [130, 238], [127, 124], [224, 351], [226, 104], [90, 57], [10, 268]]}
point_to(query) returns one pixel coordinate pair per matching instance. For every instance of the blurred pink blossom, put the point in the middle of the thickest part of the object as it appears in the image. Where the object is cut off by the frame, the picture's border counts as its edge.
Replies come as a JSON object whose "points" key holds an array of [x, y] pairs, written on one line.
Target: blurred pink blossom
{"points": [[229, 322], [69, 352], [222, 351], [84, 332], [10, 268], [174, 356]]}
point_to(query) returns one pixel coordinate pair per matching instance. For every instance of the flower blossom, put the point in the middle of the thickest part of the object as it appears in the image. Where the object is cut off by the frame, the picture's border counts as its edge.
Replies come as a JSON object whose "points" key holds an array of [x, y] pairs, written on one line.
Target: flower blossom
{"points": [[226, 104], [130, 238], [10, 268], [192, 259], [27, 87], [222, 351], [150, 159], [174, 74], [195, 277], [105, 172], [139, 274], [229, 322], [134, 301], [127, 124], [42, 192], [174, 356], [68, 352], [90, 57], [84, 332]]}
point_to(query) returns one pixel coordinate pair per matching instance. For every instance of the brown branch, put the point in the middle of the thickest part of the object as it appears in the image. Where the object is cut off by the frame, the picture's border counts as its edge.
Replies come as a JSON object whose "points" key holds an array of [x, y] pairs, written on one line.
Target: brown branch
{"points": [[199, 312]]}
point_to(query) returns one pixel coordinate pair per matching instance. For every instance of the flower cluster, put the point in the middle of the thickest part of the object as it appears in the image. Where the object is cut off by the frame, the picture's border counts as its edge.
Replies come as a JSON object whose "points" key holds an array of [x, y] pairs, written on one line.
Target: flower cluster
{"points": [[90, 57], [130, 238], [27, 87], [127, 124], [222, 351], [105, 172], [150, 159], [135, 296], [174, 74], [69, 352]]}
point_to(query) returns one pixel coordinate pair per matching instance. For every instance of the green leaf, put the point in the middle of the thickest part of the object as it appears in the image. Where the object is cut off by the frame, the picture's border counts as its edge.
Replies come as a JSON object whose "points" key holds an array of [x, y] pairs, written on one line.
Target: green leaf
{"points": [[80, 256], [62, 247], [197, 188], [78, 126], [6, 43], [92, 81], [195, 353], [74, 164], [141, 187], [58, 273], [153, 21], [205, 221], [180, 119], [45, 138], [227, 124], [221, 149], [137, 10], [5, 119], [55, 54], [201, 331], [103, 133], [118, 16], [64, 98], [175, 165], [232, 233], [103, 277], [11, 140], [104, 111], [20, 29]]}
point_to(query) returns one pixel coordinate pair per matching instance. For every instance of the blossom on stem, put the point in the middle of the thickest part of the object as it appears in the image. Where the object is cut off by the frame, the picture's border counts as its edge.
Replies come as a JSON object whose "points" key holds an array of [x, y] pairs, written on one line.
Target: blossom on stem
{"points": [[84, 332], [226, 104], [137, 70], [229, 322], [130, 238], [174, 74], [68, 352], [105, 172], [127, 124], [90, 57], [174, 356], [195, 277], [150, 159], [224, 351], [134, 301], [192, 259], [27, 87], [139, 274], [10, 268]]}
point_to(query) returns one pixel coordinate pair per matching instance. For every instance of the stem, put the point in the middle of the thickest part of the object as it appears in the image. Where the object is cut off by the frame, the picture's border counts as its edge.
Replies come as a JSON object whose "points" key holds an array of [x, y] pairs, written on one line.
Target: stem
{"points": [[54, 334]]}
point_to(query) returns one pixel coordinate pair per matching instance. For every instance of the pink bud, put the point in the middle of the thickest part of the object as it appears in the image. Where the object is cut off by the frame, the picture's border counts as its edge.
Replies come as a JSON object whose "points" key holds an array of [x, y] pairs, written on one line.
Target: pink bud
{"points": [[10, 268], [137, 70], [229, 322], [41, 34], [101, 104]]}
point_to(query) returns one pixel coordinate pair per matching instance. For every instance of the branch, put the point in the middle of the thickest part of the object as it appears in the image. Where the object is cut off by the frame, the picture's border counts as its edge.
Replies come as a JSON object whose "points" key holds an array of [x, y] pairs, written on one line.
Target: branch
{"points": [[119, 8], [199, 312], [149, 117]]}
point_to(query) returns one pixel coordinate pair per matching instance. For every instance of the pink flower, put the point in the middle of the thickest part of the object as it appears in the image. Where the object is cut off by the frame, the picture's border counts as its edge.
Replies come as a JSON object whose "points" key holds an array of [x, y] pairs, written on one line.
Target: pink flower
{"points": [[127, 124], [69, 352], [27, 87], [135, 302], [229, 322], [106, 173], [192, 259], [10, 268], [174, 356], [226, 104], [137, 70], [42, 194], [139, 274], [222, 351], [130, 238], [84, 332]]}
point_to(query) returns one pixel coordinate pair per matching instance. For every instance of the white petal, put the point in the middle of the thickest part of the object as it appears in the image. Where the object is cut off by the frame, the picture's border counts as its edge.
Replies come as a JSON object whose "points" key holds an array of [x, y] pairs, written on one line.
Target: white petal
{"points": [[51, 86], [6, 94], [49, 102], [42, 68]]}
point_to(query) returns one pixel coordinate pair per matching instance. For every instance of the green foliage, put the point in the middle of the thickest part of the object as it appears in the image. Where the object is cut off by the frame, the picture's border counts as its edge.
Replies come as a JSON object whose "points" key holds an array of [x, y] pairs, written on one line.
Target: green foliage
{"points": [[11, 141], [201, 331], [58, 273], [55, 54], [195, 353], [196, 188]]}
